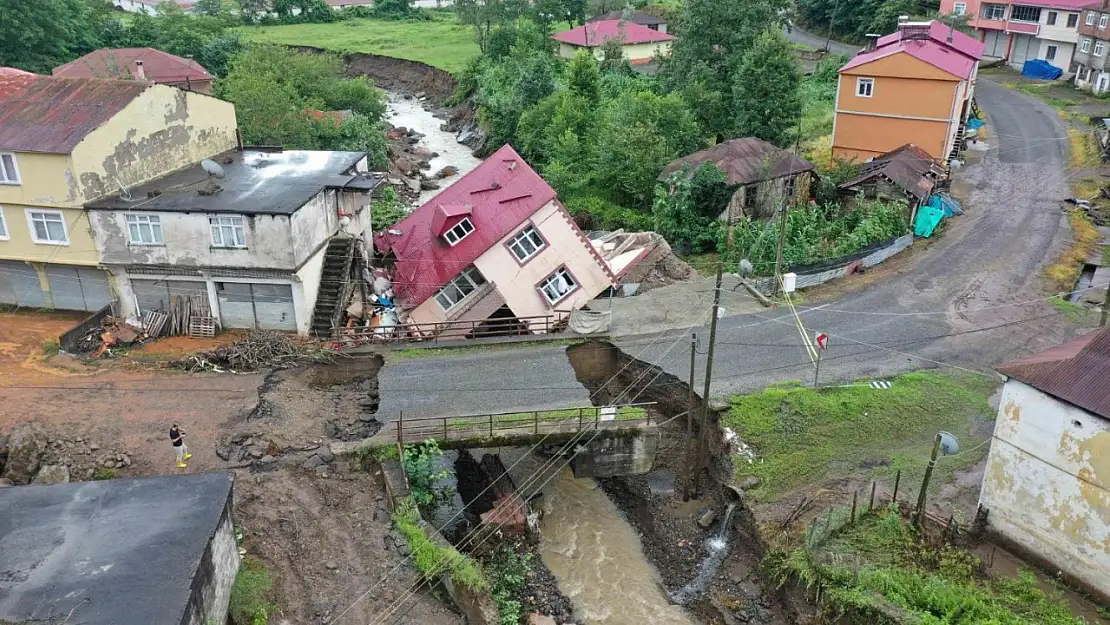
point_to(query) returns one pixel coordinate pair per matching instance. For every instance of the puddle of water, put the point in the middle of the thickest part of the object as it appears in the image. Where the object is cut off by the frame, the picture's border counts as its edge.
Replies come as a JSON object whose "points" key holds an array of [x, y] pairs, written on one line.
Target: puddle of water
{"points": [[598, 560], [410, 114]]}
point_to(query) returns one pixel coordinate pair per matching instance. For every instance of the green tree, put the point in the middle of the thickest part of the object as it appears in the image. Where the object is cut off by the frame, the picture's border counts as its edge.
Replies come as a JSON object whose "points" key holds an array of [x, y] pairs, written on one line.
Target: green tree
{"points": [[640, 133], [716, 32], [253, 10], [601, 7], [485, 16], [687, 207], [766, 101], [584, 78], [40, 35], [612, 57], [209, 7]]}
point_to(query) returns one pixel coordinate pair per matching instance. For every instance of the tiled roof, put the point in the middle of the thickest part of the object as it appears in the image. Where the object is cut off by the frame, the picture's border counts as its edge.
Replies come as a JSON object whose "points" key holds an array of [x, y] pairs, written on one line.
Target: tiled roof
{"points": [[500, 194], [1077, 372], [158, 66], [909, 167], [939, 32], [745, 161], [595, 34], [52, 115]]}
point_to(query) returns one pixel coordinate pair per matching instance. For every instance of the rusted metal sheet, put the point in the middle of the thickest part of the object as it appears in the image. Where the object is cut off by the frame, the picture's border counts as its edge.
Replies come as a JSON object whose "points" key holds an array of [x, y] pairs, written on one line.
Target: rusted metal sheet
{"points": [[1077, 372], [745, 161], [52, 115]]}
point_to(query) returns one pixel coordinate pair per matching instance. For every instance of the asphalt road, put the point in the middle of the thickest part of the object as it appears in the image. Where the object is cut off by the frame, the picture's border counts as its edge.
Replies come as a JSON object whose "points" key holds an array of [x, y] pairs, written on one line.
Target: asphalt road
{"points": [[969, 299], [806, 38]]}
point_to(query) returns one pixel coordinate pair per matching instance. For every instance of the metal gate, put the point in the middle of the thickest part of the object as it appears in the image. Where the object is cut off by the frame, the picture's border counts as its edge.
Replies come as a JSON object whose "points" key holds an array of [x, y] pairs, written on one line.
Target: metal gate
{"points": [[1025, 47], [19, 285], [263, 306], [78, 288]]}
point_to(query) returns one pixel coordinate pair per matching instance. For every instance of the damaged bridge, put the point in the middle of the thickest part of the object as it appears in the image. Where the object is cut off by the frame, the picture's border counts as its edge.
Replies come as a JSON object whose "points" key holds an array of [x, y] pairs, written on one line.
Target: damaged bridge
{"points": [[602, 441]]}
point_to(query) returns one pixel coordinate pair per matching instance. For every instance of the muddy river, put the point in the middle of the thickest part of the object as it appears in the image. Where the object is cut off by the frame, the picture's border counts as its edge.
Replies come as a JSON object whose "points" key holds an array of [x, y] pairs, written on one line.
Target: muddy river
{"points": [[596, 556], [412, 114]]}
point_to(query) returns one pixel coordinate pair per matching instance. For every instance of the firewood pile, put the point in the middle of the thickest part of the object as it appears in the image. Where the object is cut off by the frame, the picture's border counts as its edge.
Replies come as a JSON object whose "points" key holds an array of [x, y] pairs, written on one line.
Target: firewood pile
{"points": [[259, 349], [112, 332]]}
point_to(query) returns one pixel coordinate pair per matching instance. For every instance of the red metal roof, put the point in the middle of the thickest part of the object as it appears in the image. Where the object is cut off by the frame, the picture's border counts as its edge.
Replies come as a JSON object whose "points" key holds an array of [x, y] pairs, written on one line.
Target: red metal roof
{"points": [[52, 115], [935, 54], [158, 66], [939, 32], [1077, 372], [595, 34], [501, 194]]}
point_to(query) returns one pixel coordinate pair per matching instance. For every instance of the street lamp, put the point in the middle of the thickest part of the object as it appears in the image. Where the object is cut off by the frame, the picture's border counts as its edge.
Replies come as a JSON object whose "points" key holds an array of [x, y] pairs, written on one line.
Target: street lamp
{"points": [[946, 444]]}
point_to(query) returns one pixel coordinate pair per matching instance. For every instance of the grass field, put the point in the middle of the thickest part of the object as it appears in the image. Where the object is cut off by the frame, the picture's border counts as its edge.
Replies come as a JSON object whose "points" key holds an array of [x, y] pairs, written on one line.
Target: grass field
{"points": [[805, 436], [440, 42]]}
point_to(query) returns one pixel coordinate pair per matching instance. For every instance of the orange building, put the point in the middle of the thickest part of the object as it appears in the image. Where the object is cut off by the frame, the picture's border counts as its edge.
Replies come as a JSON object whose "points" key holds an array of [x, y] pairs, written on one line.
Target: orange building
{"points": [[912, 86]]}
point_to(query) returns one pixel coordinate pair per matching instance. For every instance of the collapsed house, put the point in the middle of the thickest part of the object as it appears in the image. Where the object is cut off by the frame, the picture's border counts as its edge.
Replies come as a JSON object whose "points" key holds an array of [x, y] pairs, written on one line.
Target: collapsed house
{"points": [[495, 253]]}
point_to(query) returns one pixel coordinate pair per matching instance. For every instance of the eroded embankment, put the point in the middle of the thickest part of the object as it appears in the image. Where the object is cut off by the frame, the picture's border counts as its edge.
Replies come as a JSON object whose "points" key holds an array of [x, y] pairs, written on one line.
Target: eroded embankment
{"points": [[676, 530]]}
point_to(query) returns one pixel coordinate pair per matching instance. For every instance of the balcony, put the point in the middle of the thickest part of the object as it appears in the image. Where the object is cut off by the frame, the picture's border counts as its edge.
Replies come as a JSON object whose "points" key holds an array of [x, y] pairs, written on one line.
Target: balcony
{"points": [[1023, 28], [983, 23]]}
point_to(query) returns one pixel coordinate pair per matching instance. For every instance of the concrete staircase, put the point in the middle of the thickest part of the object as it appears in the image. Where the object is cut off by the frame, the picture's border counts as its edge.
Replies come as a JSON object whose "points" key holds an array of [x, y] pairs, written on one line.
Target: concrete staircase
{"points": [[334, 285]]}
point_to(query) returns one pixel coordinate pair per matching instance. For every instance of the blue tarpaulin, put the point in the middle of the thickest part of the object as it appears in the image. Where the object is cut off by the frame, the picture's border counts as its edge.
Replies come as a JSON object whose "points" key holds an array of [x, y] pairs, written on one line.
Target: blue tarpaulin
{"points": [[1044, 70], [927, 220], [946, 204], [975, 123]]}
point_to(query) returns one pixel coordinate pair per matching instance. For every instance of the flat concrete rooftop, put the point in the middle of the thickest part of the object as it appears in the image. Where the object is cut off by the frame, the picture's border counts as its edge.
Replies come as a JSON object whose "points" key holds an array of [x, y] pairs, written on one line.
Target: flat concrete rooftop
{"points": [[114, 552]]}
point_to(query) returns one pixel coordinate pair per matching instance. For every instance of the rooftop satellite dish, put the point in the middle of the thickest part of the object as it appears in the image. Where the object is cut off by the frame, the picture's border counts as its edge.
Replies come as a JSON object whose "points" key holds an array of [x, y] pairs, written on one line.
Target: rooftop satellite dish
{"points": [[212, 168]]}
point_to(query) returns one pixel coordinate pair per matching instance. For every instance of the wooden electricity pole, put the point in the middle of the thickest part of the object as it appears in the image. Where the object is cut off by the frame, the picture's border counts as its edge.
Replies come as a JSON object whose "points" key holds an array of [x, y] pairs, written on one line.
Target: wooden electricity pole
{"points": [[690, 400], [703, 433]]}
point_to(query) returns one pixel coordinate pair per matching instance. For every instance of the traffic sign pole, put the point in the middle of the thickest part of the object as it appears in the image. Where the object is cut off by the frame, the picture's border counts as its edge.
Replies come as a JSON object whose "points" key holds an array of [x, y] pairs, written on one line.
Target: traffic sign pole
{"points": [[817, 370], [822, 341]]}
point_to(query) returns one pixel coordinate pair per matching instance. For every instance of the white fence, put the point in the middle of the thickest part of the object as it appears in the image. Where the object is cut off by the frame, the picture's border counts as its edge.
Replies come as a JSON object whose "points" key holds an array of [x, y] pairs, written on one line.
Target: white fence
{"points": [[841, 269]]}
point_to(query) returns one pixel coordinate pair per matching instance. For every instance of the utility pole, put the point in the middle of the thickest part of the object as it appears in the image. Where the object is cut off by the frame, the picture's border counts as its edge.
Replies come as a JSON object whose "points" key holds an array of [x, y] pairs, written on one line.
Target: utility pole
{"points": [[782, 243], [703, 433], [925, 482], [690, 399], [832, 24], [1105, 306]]}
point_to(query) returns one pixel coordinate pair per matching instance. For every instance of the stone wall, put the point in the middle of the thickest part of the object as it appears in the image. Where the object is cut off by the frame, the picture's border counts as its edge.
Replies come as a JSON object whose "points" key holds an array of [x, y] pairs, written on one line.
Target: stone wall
{"points": [[211, 587]]}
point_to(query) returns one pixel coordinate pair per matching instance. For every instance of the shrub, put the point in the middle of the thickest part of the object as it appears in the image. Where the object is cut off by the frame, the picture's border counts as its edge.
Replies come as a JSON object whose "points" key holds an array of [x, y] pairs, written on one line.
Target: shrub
{"points": [[433, 559], [251, 594]]}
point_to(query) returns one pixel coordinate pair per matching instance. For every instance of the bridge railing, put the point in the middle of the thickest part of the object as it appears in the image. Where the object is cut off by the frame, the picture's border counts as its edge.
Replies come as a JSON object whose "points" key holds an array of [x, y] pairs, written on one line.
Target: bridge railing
{"points": [[521, 423]]}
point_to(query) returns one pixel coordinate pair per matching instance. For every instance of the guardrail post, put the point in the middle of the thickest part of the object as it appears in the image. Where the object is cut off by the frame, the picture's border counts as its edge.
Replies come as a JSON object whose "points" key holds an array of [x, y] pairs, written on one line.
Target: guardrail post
{"points": [[536, 422], [580, 419], [400, 427], [491, 425], [445, 429]]}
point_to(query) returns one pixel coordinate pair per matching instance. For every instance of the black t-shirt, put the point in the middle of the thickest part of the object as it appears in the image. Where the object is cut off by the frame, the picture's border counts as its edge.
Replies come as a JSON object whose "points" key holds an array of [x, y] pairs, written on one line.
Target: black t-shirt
{"points": [[175, 436]]}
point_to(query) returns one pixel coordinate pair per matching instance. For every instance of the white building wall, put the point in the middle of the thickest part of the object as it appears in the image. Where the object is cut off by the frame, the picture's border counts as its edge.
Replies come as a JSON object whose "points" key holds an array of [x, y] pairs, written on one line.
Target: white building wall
{"points": [[309, 274], [1047, 482]]}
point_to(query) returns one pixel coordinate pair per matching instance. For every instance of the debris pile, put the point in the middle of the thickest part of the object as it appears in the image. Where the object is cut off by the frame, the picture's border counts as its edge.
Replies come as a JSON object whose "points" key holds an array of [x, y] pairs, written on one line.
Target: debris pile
{"points": [[29, 456], [112, 332], [259, 349]]}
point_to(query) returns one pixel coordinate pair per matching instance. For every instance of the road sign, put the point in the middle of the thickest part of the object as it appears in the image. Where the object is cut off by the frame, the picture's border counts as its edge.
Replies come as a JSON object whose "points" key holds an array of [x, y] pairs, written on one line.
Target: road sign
{"points": [[822, 340]]}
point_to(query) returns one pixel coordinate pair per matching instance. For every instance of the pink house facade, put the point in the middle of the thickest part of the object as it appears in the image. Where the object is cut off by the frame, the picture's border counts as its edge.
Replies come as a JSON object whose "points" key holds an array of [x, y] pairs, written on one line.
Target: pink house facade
{"points": [[1022, 31], [497, 244]]}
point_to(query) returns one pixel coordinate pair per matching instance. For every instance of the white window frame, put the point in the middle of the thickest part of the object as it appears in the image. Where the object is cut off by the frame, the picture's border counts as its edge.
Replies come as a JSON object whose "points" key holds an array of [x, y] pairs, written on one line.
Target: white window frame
{"points": [[233, 224], [1100, 47], [153, 223], [465, 279], [4, 234], [1085, 45], [1014, 12], [959, 8], [9, 177], [1090, 19], [1050, 52], [1053, 17], [865, 84], [550, 281], [1102, 21], [532, 237], [989, 9], [459, 231], [31, 212]]}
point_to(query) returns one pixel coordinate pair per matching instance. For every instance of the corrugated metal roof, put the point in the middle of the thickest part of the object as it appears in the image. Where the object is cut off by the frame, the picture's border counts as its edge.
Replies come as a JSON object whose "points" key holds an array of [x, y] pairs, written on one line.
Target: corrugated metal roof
{"points": [[502, 193], [1077, 372], [51, 114], [909, 167], [595, 34], [939, 32], [745, 161], [158, 66], [938, 55]]}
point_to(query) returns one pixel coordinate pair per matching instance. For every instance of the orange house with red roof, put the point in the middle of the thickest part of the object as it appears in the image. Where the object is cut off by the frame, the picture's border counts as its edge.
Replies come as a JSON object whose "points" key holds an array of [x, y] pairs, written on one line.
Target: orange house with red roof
{"points": [[913, 86], [497, 243]]}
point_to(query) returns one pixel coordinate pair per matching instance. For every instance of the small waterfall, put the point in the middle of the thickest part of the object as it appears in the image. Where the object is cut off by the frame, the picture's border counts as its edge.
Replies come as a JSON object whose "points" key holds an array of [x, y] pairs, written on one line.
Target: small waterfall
{"points": [[718, 550]]}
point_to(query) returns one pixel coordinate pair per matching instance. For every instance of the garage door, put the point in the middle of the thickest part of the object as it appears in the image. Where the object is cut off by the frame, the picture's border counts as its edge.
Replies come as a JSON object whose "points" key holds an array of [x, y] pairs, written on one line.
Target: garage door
{"points": [[995, 43], [155, 294], [78, 288], [19, 285], [264, 306], [1025, 47]]}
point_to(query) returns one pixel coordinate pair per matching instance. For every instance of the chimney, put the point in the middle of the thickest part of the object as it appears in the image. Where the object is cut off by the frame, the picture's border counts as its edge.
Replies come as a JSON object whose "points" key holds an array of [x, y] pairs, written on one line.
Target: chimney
{"points": [[140, 73], [872, 41]]}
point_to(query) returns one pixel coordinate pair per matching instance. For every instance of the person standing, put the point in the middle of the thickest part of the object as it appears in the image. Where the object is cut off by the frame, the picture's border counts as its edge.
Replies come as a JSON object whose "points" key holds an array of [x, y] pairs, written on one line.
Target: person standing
{"points": [[177, 437]]}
